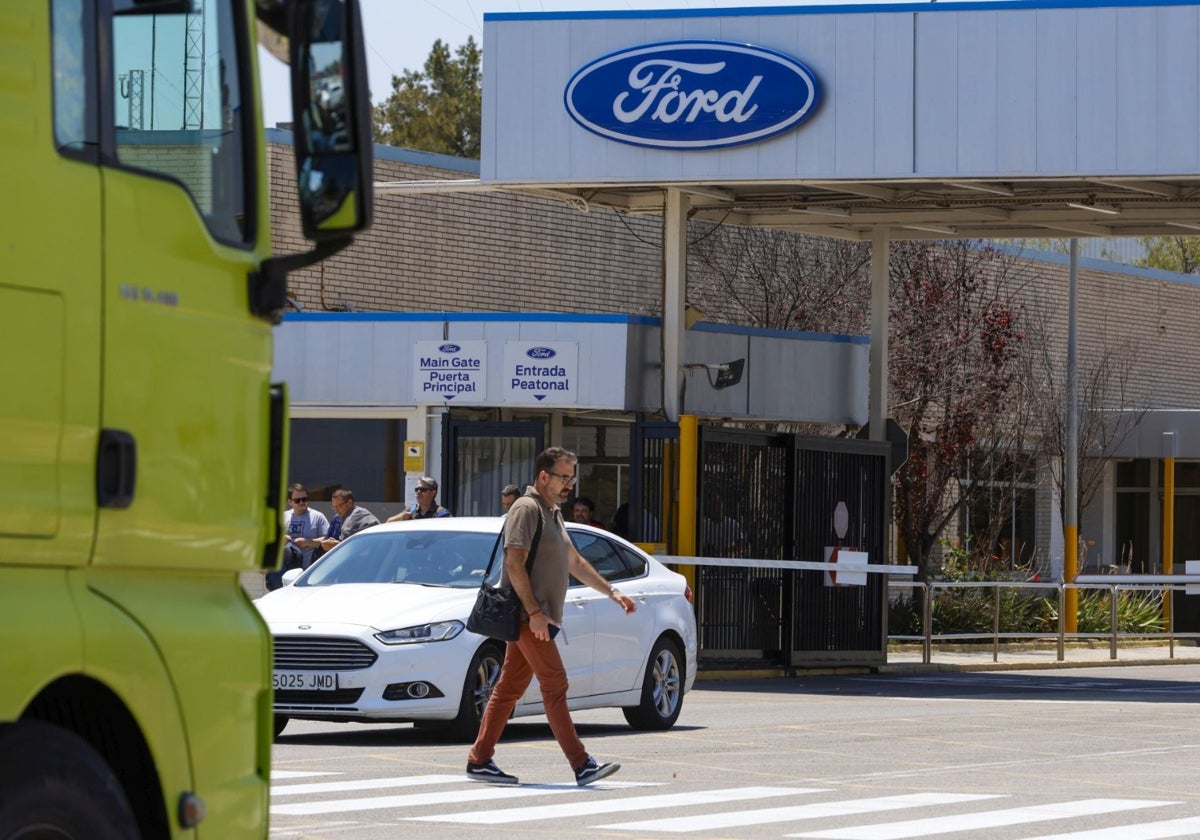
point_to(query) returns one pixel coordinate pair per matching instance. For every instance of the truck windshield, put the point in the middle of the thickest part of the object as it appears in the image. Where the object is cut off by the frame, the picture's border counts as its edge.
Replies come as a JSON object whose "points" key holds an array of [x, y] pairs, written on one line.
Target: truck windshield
{"points": [[178, 108]]}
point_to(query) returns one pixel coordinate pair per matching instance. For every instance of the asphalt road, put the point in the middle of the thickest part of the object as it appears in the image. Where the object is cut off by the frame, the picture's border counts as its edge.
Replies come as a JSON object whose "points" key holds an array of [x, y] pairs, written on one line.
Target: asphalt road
{"points": [[1083, 753]]}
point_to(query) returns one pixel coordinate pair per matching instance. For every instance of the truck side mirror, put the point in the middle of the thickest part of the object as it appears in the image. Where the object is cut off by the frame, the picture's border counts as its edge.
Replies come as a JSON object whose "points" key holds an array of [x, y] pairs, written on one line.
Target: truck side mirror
{"points": [[331, 112]]}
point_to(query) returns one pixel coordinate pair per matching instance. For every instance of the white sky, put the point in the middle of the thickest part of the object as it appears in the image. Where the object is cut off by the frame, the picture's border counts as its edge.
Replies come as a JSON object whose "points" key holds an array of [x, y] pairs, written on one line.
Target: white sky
{"points": [[399, 34]]}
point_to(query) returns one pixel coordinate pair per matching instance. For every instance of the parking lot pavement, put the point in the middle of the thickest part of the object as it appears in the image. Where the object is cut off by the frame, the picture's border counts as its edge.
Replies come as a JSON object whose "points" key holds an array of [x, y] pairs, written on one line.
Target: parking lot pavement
{"points": [[983, 657]]}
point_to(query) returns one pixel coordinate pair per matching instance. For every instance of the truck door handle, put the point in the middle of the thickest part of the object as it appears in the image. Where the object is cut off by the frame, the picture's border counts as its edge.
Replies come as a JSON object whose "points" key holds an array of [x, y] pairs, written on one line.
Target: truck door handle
{"points": [[116, 469]]}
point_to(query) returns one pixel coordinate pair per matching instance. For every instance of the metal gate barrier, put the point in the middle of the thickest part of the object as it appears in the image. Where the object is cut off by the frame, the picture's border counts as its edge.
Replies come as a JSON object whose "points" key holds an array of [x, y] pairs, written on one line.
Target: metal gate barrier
{"points": [[772, 497]]}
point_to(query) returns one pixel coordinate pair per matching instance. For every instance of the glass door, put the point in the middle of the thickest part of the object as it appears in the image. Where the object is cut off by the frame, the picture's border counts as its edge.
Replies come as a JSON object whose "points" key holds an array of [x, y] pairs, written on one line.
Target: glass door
{"points": [[484, 457]]}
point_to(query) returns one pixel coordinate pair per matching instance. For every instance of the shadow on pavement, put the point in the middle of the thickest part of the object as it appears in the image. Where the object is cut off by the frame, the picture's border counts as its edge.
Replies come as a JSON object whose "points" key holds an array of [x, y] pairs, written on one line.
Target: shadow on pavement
{"points": [[1043, 685], [406, 735]]}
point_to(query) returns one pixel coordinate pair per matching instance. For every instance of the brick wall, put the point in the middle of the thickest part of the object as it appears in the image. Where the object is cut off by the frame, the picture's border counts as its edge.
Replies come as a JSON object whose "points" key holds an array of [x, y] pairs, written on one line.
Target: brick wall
{"points": [[467, 253]]}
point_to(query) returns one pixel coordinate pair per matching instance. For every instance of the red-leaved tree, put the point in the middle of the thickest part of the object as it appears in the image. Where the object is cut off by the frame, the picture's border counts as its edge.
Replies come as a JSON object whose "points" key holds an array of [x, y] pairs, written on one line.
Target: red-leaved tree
{"points": [[955, 343]]}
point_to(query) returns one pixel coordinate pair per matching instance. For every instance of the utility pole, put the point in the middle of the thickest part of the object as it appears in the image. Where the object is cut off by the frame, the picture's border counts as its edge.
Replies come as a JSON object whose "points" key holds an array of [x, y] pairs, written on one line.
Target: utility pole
{"points": [[193, 67]]}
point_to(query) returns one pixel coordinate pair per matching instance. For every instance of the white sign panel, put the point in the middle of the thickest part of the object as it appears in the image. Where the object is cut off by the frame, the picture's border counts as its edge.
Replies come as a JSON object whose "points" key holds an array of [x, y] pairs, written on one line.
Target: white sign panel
{"points": [[541, 372], [450, 370], [851, 570]]}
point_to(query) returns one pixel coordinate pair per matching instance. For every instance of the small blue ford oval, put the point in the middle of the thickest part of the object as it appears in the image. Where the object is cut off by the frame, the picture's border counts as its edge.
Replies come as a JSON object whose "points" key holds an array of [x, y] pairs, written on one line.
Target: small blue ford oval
{"points": [[692, 95], [540, 353], [449, 348]]}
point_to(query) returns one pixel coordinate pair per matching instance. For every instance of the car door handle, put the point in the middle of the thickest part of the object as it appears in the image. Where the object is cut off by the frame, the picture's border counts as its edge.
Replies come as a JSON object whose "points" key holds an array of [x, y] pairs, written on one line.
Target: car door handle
{"points": [[578, 603]]}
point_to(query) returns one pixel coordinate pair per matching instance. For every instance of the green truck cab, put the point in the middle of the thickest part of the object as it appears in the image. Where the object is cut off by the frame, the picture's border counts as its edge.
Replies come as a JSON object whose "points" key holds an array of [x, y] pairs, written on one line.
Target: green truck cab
{"points": [[141, 441]]}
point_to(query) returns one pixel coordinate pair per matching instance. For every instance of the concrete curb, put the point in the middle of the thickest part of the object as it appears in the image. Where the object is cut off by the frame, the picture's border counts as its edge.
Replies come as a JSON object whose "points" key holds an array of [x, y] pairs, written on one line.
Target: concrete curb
{"points": [[944, 667]]}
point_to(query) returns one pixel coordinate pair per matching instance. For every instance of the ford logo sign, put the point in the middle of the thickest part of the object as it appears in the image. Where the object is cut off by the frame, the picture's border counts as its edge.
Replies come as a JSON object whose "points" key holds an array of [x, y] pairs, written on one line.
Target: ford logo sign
{"points": [[449, 348], [692, 95], [540, 353]]}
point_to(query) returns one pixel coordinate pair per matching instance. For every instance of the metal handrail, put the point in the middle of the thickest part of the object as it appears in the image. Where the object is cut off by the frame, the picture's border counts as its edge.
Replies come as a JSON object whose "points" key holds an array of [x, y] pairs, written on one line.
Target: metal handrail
{"points": [[1121, 584]]}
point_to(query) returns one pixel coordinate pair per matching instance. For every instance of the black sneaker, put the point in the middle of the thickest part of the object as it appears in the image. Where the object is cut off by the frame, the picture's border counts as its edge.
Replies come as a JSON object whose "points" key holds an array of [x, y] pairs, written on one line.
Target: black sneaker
{"points": [[592, 771], [489, 772]]}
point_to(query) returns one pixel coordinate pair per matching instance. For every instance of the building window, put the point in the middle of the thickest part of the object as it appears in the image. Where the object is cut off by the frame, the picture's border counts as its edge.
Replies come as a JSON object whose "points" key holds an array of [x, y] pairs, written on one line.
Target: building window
{"points": [[1000, 511], [603, 452], [1132, 525]]}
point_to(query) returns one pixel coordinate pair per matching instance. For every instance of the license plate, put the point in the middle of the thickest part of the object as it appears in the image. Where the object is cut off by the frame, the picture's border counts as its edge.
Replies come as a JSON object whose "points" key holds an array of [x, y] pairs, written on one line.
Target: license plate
{"points": [[304, 681]]}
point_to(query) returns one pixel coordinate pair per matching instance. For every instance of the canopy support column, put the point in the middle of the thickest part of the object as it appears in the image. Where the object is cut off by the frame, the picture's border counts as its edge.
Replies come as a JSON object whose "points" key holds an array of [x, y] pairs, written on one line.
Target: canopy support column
{"points": [[1071, 456], [674, 256], [878, 379]]}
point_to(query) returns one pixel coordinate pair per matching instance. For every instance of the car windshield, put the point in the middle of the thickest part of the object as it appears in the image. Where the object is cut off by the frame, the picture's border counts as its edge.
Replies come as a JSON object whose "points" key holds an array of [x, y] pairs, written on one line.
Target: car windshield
{"points": [[428, 558]]}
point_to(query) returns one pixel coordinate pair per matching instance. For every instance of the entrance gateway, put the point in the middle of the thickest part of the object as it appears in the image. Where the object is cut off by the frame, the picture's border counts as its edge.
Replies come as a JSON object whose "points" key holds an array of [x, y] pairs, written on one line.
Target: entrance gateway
{"points": [[930, 121]]}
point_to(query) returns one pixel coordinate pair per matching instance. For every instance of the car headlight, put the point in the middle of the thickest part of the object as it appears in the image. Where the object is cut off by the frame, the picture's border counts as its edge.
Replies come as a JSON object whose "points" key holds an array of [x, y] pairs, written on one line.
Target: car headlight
{"points": [[437, 632]]}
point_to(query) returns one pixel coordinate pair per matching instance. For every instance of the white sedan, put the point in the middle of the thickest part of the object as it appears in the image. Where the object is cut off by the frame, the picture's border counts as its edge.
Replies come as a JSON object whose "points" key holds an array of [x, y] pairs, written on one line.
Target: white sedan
{"points": [[375, 631]]}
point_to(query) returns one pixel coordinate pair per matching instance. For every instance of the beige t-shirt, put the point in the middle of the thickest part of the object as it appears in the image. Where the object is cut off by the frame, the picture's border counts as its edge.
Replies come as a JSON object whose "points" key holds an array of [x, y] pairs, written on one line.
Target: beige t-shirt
{"points": [[550, 571]]}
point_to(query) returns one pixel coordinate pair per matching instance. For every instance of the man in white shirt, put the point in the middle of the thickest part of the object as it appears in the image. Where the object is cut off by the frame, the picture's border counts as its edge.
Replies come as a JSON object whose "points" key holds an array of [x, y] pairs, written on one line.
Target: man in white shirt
{"points": [[302, 527]]}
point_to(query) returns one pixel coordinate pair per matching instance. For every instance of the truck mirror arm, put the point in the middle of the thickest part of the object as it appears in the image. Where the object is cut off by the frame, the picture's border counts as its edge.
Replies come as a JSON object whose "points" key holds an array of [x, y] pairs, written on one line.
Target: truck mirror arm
{"points": [[268, 285]]}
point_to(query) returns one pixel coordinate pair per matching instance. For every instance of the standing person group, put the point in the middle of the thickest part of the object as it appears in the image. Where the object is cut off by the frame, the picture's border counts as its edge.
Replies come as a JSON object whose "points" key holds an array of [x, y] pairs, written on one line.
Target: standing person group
{"points": [[543, 593]]}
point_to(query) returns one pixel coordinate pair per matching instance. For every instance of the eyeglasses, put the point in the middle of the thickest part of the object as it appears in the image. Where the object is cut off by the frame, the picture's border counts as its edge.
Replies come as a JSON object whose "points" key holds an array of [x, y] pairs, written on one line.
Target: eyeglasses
{"points": [[424, 489], [299, 499], [566, 479]]}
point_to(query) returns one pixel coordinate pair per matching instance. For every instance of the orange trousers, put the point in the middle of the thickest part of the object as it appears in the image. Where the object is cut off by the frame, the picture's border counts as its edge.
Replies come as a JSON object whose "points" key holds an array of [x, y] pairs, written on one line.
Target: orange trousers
{"points": [[523, 659]]}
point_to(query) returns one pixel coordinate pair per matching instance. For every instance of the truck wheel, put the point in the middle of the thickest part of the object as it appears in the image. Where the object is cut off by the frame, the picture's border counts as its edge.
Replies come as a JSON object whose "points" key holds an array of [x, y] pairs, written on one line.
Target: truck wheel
{"points": [[280, 722], [662, 689], [477, 688], [56, 786]]}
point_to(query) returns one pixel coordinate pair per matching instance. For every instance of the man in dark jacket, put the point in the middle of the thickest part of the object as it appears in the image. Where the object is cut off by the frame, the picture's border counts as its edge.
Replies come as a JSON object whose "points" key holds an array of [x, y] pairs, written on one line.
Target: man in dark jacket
{"points": [[426, 506]]}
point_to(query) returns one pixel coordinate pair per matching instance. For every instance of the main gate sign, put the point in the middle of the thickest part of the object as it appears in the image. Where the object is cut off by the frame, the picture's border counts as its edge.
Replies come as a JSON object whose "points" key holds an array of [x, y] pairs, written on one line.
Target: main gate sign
{"points": [[447, 370]]}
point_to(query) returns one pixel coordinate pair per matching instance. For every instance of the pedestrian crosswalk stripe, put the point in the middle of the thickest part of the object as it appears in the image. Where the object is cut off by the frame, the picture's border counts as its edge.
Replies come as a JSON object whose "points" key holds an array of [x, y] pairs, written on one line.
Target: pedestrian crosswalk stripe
{"points": [[361, 784], [1186, 827], [298, 774], [814, 810], [469, 794], [610, 806], [985, 819]]}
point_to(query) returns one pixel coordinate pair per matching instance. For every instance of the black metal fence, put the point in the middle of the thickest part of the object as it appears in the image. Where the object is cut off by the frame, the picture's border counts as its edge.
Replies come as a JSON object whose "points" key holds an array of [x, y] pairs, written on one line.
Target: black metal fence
{"points": [[647, 517], [773, 497]]}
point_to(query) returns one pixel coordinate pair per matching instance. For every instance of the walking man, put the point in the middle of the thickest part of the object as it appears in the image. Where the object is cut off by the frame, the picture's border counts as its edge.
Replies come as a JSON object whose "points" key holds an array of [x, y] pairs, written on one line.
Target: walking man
{"points": [[543, 592]]}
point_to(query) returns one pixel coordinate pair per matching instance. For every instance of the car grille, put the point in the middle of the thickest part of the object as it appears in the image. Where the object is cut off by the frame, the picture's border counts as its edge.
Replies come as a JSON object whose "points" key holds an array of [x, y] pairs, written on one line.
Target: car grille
{"points": [[321, 653], [318, 699]]}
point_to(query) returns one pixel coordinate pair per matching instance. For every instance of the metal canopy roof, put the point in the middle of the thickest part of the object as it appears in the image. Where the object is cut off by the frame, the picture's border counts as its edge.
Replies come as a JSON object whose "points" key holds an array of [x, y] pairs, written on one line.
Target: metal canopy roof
{"points": [[908, 208]]}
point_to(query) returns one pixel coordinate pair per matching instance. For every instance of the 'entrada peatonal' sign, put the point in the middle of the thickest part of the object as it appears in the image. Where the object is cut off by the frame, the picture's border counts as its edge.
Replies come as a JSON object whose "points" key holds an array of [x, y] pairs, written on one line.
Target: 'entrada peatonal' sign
{"points": [[692, 95]]}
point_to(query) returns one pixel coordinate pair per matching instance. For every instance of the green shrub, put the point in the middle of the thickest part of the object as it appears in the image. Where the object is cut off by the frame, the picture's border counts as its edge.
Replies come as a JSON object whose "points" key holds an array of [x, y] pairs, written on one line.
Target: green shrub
{"points": [[1137, 612], [971, 610]]}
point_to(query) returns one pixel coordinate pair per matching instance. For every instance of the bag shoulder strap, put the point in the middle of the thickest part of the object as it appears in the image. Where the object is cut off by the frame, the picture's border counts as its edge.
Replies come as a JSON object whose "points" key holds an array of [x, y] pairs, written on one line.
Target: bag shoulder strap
{"points": [[533, 546], [498, 548]]}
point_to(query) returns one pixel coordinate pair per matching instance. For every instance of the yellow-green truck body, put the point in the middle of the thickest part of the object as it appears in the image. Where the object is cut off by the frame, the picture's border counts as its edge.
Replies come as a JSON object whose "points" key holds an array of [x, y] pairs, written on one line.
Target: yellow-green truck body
{"points": [[141, 440]]}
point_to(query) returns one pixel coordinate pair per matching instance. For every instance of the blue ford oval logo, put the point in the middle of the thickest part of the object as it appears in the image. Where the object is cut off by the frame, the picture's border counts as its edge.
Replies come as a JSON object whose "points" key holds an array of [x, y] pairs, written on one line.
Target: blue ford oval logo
{"points": [[540, 353], [692, 95], [449, 348]]}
